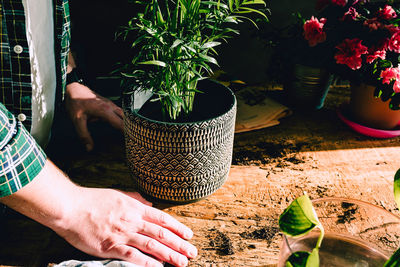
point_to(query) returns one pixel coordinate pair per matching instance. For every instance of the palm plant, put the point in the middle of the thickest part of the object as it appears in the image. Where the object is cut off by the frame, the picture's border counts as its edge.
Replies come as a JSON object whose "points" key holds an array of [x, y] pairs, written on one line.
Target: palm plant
{"points": [[176, 43]]}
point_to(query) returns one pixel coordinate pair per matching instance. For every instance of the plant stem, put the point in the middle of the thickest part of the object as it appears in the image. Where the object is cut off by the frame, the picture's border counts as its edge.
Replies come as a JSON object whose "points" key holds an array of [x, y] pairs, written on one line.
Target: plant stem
{"points": [[321, 236]]}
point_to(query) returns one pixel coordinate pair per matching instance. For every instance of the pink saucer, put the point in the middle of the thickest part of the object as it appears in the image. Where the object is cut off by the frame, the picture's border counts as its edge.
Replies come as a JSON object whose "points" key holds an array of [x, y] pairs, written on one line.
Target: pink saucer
{"points": [[377, 133]]}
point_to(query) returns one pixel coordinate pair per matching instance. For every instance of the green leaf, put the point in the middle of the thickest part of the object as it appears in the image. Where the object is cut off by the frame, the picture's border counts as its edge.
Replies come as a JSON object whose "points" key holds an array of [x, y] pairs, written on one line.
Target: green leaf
{"points": [[210, 45], [209, 59], [303, 259], [299, 218], [394, 260], [252, 10], [313, 259], [176, 43], [154, 62], [396, 186], [254, 2]]}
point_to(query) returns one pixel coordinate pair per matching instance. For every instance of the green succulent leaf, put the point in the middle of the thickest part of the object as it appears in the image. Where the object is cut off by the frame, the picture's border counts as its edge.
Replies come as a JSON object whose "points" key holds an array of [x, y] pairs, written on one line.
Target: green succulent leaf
{"points": [[299, 218], [304, 259], [394, 260]]}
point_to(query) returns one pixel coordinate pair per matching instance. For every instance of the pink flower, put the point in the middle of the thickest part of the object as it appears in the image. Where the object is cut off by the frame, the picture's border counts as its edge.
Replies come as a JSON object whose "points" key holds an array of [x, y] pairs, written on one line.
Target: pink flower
{"points": [[339, 2], [373, 24], [392, 29], [396, 86], [374, 54], [313, 31], [394, 43], [378, 51], [351, 14], [350, 52], [389, 74], [387, 13]]}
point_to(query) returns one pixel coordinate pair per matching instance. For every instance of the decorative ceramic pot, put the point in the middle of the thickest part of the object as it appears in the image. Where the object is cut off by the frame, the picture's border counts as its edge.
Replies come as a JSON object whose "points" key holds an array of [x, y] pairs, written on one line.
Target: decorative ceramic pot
{"points": [[370, 111], [182, 162], [307, 87]]}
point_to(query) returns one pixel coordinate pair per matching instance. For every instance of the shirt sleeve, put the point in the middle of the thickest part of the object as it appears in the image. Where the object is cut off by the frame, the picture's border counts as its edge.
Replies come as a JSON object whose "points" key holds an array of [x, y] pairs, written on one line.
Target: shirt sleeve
{"points": [[21, 158]]}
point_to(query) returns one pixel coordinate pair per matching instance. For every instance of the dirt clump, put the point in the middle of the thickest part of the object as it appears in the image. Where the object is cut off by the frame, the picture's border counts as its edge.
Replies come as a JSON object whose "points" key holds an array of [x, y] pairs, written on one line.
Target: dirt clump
{"points": [[266, 233], [221, 242]]}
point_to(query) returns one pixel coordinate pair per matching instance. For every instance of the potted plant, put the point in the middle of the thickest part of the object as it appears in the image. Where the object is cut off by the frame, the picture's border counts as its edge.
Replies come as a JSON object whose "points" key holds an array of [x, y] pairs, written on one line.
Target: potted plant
{"points": [[301, 68], [351, 233], [307, 78], [363, 41], [179, 142]]}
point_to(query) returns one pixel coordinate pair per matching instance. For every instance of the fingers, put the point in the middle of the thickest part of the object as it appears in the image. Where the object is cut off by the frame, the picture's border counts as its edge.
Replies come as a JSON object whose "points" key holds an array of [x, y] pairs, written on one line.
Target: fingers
{"points": [[131, 254], [119, 112], [163, 219], [109, 112], [158, 250], [83, 132], [169, 239], [114, 119]]}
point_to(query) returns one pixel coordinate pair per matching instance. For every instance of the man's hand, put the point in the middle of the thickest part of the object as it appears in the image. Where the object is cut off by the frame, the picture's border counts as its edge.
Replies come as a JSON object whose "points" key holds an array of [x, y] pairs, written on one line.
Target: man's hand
{"points": [[104, 222], [111, 224], [84, 105]]}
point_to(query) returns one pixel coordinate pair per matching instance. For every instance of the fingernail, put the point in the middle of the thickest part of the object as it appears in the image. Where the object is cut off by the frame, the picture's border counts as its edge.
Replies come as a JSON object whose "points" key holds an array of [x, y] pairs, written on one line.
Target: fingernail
{"points": [[183, 261], [193, 252], [188, 234]]}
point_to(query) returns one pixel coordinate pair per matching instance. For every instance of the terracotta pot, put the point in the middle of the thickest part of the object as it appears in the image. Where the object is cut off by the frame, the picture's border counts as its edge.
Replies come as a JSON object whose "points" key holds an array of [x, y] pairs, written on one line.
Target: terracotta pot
{"points": [[370, 111], [182, 162]]}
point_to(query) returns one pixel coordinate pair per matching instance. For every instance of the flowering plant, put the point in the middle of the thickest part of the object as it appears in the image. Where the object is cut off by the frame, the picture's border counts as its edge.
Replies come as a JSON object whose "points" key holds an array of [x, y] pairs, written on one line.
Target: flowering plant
{"points": [[362, 39]]}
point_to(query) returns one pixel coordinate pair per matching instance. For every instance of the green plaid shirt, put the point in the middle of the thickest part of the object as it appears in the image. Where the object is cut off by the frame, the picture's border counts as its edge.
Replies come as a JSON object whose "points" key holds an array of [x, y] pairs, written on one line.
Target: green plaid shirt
{"points": [[21, 159]]}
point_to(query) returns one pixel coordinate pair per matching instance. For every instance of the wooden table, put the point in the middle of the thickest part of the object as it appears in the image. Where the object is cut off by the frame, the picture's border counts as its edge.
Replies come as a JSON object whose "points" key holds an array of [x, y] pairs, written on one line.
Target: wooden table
{"points": [[236, 226]]}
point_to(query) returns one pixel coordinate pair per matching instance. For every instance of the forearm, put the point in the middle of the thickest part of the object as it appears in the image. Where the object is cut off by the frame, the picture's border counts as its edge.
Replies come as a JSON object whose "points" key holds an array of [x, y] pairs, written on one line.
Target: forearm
{"points": [[48, 199], [103, 222]]}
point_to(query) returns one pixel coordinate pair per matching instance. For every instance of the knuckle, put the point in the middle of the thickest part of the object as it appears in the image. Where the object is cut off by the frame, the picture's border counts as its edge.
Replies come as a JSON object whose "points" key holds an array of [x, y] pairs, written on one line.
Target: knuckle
{"points": [[150, 244], [162, 234], [174, 258], [107, 245], [162, 218], [183, 247], [131, 254]]}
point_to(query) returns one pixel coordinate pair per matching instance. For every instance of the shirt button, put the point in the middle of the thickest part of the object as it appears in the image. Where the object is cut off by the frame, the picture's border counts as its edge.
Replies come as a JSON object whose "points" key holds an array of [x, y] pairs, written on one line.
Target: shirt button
{"points": [[21, 117], [18, 49]]}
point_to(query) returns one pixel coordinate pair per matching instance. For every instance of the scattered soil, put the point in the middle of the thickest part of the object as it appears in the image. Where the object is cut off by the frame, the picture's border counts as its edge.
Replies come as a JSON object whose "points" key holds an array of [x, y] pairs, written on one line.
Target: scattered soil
{"points": [[349, 210], [390, 241], [321, 190], [295, 160], [220, 242], [266, 233], [268, 152]]}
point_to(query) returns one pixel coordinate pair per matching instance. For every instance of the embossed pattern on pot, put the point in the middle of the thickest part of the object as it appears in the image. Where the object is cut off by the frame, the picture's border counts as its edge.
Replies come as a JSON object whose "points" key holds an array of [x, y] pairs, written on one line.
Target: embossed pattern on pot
{"points": [[179, 162]]}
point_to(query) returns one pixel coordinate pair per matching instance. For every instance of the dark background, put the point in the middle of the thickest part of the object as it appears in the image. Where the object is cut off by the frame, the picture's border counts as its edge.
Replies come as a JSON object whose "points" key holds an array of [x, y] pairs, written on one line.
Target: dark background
{"points": [[94, 24]]}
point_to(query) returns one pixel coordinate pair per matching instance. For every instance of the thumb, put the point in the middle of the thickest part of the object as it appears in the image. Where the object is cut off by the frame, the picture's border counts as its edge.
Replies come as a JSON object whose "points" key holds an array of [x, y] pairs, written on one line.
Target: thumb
{"points": [[83, 133]]}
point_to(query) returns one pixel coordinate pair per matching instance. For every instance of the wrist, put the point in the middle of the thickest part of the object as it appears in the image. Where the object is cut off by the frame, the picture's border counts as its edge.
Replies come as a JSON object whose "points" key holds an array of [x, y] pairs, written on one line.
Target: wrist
{"points": [[75, 76], [48, 199]]}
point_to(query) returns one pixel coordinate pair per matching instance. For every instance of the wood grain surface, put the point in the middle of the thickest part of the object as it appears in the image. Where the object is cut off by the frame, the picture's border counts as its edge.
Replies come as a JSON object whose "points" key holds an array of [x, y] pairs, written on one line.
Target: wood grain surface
{"points": [[237, 225]]}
